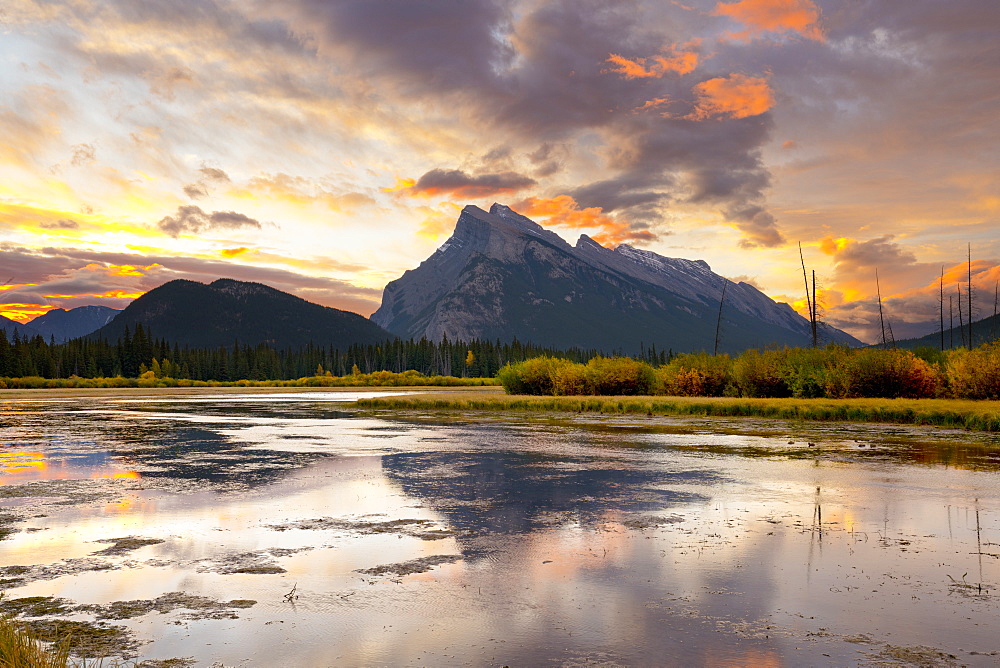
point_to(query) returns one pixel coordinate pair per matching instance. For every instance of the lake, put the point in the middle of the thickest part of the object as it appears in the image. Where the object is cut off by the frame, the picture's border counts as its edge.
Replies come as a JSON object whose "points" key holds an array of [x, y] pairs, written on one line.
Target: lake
{"points": [[283, 529]]}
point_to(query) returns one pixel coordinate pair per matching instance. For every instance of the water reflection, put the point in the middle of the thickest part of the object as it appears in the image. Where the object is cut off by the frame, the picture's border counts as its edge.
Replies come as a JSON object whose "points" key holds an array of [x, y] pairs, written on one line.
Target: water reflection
{"points": [[548, 542], [519, 492]]}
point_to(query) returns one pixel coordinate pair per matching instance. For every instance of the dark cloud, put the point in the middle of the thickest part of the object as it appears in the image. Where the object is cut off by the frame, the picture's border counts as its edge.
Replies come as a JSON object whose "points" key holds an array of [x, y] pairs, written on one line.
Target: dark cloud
{"points": [[213, 174], [95, 276], [209, 176], [195, 190], [538, 76], [427, 45], [61, 224], [192, 220], [459, 184]]}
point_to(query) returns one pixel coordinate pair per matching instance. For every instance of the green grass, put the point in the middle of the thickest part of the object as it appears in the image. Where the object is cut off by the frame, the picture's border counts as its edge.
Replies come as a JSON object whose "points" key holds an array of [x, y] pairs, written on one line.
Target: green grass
{"points": [[957, 413]]}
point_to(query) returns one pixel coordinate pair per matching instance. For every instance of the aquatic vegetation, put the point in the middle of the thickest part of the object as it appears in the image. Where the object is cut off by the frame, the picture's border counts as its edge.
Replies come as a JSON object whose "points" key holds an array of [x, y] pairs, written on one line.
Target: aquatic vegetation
{"points": [[962, 414]]}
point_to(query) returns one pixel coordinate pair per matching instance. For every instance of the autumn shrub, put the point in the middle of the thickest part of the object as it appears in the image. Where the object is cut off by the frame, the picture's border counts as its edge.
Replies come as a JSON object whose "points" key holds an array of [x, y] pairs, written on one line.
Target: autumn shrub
{"points": [[807, 370], [694, 375], [532, 376], [572, 379], [619, 376], [975, 374], [880, 372], [762, 374]]}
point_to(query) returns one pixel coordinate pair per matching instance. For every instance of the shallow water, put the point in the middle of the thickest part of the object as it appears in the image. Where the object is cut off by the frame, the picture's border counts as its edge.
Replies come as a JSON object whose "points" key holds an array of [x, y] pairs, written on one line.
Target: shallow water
{"points": [[502, 540]]}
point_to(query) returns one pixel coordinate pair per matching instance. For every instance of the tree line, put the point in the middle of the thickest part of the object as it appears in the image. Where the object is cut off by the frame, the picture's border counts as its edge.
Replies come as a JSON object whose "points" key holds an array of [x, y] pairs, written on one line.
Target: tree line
{"points": [[138, 352]]}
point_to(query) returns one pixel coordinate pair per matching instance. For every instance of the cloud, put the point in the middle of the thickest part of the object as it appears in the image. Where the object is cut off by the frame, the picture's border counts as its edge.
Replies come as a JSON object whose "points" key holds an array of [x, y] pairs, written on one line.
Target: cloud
{"points": [[302, 192], [459, 184], [209, 176], [70, 277], [776, 17], [164, 83], [676, 60], [192, 220], [61, 224], [734, 96], [83, 154], [563, 211]]}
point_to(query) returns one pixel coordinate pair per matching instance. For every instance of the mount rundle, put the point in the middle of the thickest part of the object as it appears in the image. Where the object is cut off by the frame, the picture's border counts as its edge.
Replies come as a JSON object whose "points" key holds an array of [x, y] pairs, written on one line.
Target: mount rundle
{"points": [[503, 276]]}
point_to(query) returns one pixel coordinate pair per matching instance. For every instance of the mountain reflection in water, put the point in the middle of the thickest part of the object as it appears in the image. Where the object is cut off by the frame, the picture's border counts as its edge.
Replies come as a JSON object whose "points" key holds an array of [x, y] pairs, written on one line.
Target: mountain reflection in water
{"points": [[519, 541]]}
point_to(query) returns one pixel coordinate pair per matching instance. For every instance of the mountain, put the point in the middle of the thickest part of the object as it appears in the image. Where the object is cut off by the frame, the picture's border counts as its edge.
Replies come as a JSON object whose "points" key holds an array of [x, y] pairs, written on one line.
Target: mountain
{"points": [[63, 325], [198, 315], [501, 275], [983, 331], [9, 327]]}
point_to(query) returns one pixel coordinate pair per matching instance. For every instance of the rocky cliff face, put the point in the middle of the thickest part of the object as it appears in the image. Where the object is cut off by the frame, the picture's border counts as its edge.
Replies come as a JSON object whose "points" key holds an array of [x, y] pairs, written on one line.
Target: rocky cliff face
{"points": [[501, 275]]}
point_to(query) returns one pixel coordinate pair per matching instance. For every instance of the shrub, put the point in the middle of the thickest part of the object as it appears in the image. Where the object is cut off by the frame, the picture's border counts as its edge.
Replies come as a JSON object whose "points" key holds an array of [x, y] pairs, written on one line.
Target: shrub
{"points": [[807, 370], [572, 379], [879, 372], [533, 376], [619, 376], [695, 374], [762, 374], [975, 374]]}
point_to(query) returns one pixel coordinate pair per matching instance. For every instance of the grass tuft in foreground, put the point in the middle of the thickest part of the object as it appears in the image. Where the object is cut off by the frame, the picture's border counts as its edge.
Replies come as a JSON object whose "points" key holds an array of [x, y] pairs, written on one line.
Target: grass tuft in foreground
{"points": [[19, 649]]}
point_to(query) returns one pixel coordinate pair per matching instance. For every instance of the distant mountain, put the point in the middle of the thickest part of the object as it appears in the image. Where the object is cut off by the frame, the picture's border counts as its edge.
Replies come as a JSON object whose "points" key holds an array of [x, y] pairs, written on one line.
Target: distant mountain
{"points": [[9, 327], [198, 315], [63, 325], [501, 275], [983, 331]]}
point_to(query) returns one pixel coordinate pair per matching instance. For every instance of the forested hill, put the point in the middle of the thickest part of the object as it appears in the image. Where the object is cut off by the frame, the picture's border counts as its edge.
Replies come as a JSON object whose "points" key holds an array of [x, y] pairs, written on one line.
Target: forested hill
{"points": [[193, 314], [136, 350]]}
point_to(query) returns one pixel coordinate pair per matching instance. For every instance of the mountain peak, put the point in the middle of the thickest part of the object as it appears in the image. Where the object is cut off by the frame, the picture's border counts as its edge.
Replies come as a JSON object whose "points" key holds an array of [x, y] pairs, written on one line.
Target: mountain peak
{"points": [[503, 276]]}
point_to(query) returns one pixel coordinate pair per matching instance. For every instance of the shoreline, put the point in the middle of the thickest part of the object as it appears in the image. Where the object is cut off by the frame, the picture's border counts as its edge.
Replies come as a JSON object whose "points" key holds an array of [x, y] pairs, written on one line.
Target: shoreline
{"points": [[125, 392], [972, 415]]}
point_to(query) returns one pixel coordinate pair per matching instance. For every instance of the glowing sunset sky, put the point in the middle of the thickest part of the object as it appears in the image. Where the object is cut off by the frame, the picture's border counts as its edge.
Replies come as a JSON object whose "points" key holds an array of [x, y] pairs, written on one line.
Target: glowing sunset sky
{"points": [[323, 147]]}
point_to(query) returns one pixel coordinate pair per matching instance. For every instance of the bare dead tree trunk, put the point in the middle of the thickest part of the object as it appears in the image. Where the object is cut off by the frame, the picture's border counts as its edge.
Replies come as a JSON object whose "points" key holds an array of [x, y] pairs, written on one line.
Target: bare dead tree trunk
{"points": [[996, 301], [809, 301], [941, 304], [971, 344], [718, 323], [815, 312], [961, 322], [951, 323], [881, 315]]}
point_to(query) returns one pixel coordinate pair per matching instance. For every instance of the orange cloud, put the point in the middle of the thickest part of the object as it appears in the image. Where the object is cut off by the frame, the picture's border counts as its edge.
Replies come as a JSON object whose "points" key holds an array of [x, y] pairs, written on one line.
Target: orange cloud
{"points": [[655, 103], [437, 223], [110, 294], [773, 16], [563, 211], [677, 60], [129, 269], [233, 252], [402, 183], [735, 96], [24, 312]]}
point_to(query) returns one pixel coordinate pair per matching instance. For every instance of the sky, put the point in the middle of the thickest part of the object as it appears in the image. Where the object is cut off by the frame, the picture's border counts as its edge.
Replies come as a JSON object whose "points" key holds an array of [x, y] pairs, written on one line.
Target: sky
{"points": [[324, 147]]}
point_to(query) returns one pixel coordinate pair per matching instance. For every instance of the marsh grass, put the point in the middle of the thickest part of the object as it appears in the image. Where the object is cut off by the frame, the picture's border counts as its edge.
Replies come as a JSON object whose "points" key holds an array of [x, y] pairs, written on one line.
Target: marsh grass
{"points": [[20, 649], [956, 413]]}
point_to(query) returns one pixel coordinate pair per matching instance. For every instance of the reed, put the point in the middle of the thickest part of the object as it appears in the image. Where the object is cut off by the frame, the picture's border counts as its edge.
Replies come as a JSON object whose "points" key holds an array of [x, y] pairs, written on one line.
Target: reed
{"points": [[19, 649]]}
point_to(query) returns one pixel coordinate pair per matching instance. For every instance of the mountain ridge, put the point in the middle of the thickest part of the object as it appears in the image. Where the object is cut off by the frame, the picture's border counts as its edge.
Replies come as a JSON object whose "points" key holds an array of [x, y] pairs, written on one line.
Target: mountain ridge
{"points": [[195, 314], [501, 275]]}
